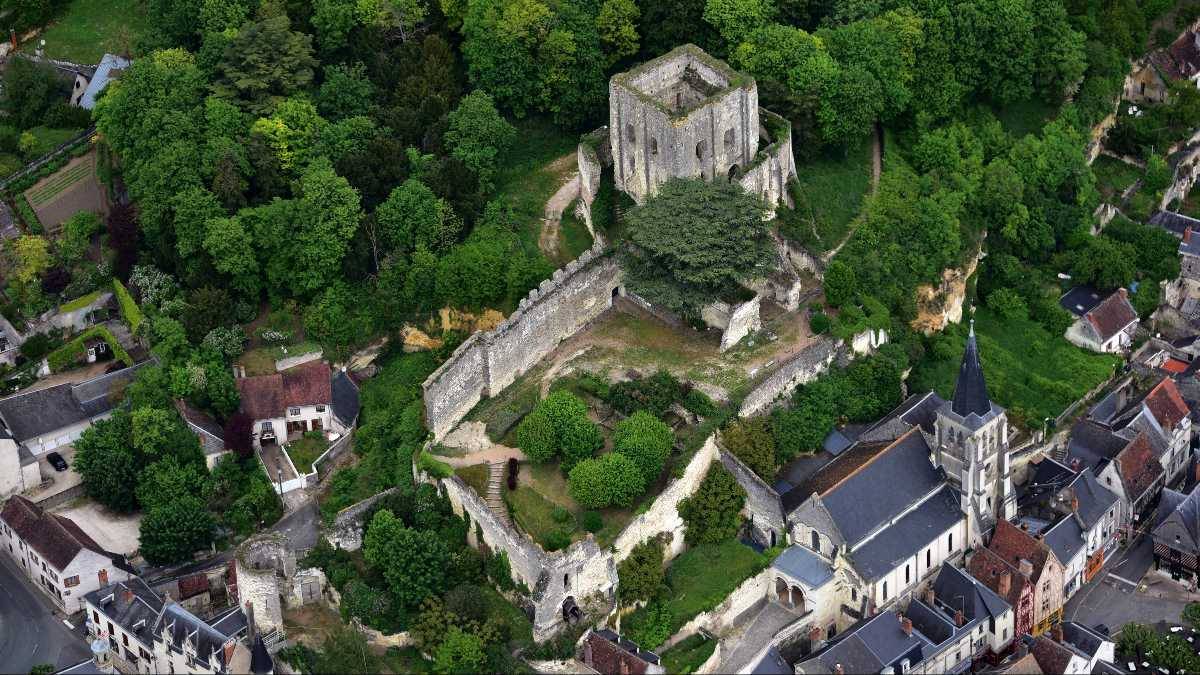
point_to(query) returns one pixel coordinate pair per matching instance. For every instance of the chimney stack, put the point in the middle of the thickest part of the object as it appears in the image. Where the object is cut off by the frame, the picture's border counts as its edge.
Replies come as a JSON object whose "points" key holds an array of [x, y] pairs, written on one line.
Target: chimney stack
{"points": [[959, 619], [1187, 233], [1004, 585], [1124, 293], [126, 594], [1056, 633], [228, 646], [814, 634], [1075, 504], [906, 625], [930, 596]]}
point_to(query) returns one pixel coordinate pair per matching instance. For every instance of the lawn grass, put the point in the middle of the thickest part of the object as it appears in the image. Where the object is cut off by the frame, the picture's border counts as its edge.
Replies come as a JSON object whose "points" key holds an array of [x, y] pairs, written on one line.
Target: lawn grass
{"points": [[1027, 117], [534, 514], [261, 360], [48, 139], [476, 476], [688, 655], [90, 28], [78, 303], [306, 449], [1140, 206], [573, 236], [526, 182], [1030, 372], [697, 581], [1114, 176], [828, 193]]}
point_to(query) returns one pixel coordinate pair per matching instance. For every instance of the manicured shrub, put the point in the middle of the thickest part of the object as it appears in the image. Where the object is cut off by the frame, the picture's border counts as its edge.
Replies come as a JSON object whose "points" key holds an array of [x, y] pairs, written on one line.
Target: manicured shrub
{"points": [[557, 540], [579, 439], [646, 440], [514, 469], [560, 515], [654, 394], [536, 437], [609, 480]]}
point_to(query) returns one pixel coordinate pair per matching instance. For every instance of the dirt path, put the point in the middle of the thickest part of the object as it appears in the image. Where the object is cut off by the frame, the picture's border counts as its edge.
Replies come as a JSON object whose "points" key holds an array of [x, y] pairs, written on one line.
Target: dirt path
{"points": [[548, 240], [472, 437]]}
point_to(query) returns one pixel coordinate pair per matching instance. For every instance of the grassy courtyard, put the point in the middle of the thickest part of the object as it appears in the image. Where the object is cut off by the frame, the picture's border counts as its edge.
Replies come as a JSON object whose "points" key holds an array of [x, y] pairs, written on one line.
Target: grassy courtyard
{"points": [[1029, 371], [692, 587], [306, 449], [90, 28]]}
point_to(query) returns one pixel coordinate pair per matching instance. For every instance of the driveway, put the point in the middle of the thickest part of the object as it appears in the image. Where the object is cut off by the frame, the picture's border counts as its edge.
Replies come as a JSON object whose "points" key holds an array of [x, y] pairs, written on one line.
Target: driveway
{"points": [[116, 532], [30, 633], [54, 481]]}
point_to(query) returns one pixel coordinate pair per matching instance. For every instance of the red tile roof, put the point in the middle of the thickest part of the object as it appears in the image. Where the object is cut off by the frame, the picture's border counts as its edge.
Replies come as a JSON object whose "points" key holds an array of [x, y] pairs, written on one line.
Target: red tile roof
{"points": [[1111, 315], [267, 396], [55, 538], [988, 568], [193, 585], [1166, 404], [1173, 365], [1051, 656], [1012, 544], [1138, 466]]}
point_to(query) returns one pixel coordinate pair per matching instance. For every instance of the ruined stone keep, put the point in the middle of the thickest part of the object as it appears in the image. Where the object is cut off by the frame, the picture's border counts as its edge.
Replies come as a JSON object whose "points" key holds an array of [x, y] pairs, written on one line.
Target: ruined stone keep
{"points": [[687, 115]]}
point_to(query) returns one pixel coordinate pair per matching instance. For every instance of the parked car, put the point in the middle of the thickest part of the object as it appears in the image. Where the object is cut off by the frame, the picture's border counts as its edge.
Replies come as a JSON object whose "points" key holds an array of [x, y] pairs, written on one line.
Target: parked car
{"points": [[56, 460]]}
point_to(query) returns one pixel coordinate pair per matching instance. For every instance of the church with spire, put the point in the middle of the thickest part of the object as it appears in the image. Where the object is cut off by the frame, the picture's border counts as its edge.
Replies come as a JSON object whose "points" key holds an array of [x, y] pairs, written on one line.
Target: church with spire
{"points": [[971, 445]]}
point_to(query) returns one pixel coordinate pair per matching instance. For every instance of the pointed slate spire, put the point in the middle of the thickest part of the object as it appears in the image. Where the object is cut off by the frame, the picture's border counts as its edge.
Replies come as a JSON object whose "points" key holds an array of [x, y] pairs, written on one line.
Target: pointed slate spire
{"points": [[970, 391]]}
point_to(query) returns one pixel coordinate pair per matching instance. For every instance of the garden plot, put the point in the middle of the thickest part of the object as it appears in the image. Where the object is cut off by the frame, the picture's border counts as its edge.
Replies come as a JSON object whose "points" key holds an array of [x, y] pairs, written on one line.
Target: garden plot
{"points": [[68, 191]]}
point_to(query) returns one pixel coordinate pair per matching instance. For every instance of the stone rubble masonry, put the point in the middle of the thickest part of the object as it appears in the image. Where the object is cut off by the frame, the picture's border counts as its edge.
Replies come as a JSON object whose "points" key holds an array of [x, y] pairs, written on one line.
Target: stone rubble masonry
{"points": [[803, 368], [591, 156], [744, 319], [262, 562], [347, 530], [763, 506], [487, 362]]}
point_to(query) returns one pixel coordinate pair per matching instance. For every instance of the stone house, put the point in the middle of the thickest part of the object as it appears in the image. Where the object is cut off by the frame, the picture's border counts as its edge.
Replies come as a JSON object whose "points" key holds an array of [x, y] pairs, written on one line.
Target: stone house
{"points": [[1177, 534], [19, 469], [207, 431], [1076, 516], [61, 559], [687, 114], [1106, 326], [1152, 75], [1034, 560], [958, 621], [808, 584], [607, 653], [287, 404], [148, 633], [1129, 469], [49, 418]]}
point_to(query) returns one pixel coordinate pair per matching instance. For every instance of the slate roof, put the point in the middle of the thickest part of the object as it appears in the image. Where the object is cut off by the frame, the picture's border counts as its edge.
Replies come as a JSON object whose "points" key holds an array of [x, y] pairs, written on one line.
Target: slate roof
{"points": [[1094, 444], [908, 535], [1168, 502], [1092, 499], [854, 497], [979, 601], [269, 396], [772, 663], [1185, 510], [800, 563], [1173, 222], [1112, 315], [200, 421], [55, 538], [1048, 477], [345, 398], [1065, 538], [35, 413], [873, 644], [110, 67], [88, 667], [131, 604], [1082, 639], [970, 390], [1080, 300], [180, 625]]}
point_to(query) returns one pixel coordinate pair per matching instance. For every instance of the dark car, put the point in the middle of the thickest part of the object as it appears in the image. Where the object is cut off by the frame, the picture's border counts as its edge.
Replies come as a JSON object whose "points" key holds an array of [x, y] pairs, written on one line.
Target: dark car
{"points": [[57, 461]]}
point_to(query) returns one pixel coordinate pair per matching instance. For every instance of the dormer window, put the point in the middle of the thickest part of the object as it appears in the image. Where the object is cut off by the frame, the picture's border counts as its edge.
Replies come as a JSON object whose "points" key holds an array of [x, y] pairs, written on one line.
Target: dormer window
{"points": [[294, 411]]}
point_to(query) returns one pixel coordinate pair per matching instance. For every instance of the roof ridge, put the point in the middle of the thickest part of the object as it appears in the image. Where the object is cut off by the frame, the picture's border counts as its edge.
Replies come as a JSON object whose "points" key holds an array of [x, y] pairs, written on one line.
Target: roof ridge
{"points": [[885, 450]]}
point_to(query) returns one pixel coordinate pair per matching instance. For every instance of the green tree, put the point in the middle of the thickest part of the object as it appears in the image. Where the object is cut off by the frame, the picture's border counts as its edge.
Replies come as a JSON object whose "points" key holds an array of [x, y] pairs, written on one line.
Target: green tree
{"points": [[106, 463], [579, 439], [264, 63], [646, 440], [1158, 174], [167, 479], [536, 437], [413, 216], [459, 652], [477, 135], [345, 650], [694, 241], [735, 19], [641, 574], [617, 23], [1104, 263], [886, 46], [231, 249], [414, 562], [326, 218], [173, 531], [77, 234], [345, 92], [1008, 304], [32, 258], [30, 90], [713, 513], [752, 442], [608, 480]]}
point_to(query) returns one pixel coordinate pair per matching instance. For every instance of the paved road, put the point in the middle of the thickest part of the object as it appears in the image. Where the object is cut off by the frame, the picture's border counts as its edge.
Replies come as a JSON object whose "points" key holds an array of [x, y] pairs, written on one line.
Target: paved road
{"points": [[30, 633], [1112, 600]]}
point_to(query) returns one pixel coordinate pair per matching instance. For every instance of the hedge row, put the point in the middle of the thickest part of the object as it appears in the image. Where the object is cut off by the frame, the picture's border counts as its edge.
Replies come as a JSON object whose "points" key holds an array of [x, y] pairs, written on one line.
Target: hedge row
{"points": [[29, 215], [78, 149], [69, 354], [130, 312]]}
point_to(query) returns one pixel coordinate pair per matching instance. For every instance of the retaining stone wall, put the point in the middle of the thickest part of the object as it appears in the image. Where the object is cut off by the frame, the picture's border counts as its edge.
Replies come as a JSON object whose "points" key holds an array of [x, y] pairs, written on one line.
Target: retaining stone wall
{"points": [[762, 502], [487, 362], [347, 525], [804, 367]]}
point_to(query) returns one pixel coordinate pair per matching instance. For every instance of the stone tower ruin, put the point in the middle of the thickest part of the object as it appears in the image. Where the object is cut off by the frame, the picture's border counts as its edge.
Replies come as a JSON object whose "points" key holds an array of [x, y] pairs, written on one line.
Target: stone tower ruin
{"points": [[686, 115]]}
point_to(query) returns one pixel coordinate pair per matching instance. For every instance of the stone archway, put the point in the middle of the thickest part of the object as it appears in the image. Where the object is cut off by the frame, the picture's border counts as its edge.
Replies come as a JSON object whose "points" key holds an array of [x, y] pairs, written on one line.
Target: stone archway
{"points": [[783, 593], [797, 598]]}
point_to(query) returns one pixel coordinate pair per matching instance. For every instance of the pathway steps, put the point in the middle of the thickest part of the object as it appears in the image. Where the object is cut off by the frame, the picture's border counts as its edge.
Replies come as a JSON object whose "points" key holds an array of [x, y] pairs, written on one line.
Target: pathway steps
{"points": [[495, 498]]}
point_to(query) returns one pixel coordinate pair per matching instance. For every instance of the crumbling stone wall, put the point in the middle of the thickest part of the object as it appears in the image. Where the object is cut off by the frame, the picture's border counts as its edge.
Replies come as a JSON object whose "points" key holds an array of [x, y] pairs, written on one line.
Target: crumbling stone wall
{"points": [[663, 515], [768, 174], [347, 530], [263, 565], [765, 510], [804, 367], [487, 362], [744, 319], [592, 155], [583, 571]]}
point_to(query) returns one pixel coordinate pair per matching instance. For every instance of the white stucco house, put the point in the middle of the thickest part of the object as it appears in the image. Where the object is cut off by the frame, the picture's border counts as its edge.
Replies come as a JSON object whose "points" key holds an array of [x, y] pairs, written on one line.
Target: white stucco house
{"points": [[60, 558], [1102, 325], [308, 397]]}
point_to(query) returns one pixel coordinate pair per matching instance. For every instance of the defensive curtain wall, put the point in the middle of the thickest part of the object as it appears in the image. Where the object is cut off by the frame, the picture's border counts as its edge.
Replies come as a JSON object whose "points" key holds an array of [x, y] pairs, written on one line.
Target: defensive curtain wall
{"points": [[487, 362]]}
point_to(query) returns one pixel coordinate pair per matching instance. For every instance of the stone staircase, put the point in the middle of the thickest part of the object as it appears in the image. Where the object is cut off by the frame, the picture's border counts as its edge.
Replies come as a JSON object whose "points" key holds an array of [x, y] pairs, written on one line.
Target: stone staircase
{"points": [[495, 498]]}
